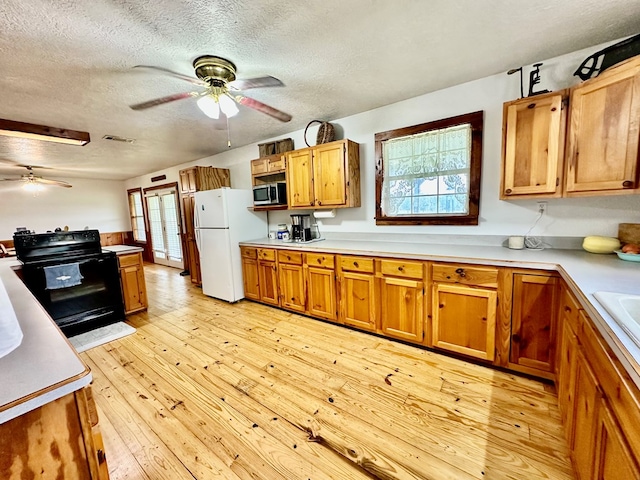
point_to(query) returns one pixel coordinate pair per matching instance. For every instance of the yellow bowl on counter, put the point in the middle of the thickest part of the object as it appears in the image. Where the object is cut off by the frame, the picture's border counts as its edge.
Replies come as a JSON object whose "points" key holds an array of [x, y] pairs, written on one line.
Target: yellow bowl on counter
{"points": [[598, 244]]}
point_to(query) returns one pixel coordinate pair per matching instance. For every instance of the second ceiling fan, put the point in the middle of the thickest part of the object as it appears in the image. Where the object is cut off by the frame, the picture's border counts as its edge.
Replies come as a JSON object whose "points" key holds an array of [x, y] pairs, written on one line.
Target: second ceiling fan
{"points": [[218, 77]]}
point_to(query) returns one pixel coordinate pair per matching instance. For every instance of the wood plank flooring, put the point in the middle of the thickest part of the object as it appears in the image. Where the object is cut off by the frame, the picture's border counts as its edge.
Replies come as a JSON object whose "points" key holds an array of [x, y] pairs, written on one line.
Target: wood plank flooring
{"points": [[205, 389]]}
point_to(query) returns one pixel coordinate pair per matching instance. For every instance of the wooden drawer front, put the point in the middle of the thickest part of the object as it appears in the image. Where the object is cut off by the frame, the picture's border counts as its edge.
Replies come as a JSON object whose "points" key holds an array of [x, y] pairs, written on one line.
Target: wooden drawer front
{"points": [[277, 164], [249, 252], [484, 277], [267, 254], [402, 268], [129, 260], [286, 256], [259, 166], [357, 264], [320, 260], [569, 309]]}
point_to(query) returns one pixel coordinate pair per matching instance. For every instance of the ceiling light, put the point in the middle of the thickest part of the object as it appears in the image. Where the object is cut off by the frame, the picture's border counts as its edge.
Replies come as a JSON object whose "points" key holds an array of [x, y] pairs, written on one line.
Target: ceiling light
{"points": [[209, 106], [32, 186], [42, 132], [228, 106]]}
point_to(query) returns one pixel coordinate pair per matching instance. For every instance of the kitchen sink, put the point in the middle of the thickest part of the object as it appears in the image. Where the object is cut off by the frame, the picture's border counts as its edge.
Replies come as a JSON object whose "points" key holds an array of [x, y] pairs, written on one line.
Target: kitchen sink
{"points": [[625, 310]]}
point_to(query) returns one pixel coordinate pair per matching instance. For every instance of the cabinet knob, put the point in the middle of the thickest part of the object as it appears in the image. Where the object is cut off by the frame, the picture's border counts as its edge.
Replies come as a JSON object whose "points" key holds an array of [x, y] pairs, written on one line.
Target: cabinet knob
{"points": [[461, 272], [627, 184], [401, 268], [515, 337], [531, 105], [355, 264], [508, 191], [101, 455]]}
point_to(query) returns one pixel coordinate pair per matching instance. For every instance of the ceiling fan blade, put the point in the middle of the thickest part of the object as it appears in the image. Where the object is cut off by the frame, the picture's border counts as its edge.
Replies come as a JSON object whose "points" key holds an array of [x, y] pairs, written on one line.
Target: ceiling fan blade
{"points": [[58, 183], [186, 78], [263, 107], [258, 82], [10, 179], [163, 100]]}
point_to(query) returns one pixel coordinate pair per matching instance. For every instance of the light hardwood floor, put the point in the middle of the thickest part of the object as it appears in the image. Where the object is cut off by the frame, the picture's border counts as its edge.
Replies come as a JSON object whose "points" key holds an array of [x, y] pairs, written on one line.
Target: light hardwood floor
{"points": [[205, 389]]}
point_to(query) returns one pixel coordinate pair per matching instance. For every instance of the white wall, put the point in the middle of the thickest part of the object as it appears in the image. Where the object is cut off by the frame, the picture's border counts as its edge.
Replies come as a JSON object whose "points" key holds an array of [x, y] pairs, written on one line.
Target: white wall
{"points": [[100, 204], [575, 217]]}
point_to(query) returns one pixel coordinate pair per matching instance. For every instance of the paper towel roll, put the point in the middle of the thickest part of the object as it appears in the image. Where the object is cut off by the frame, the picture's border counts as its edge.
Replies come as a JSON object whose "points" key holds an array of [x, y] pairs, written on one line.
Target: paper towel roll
{"points": [[325, 213]]}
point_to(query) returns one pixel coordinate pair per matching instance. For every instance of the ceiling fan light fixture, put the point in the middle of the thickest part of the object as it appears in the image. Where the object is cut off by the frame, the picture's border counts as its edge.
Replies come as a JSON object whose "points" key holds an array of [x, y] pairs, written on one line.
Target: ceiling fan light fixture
{"points": [[228, 105], [32, 186], [209, 107]]}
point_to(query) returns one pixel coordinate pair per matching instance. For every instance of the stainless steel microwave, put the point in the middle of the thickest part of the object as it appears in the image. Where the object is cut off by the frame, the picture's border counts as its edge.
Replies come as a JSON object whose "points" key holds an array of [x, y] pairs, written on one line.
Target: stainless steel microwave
{"points": [[270, 194]]}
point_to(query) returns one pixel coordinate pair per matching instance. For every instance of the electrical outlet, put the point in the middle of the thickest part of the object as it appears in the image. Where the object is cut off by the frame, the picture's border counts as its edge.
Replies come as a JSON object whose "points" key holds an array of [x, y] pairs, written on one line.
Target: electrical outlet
{"points": [[542, 207]]}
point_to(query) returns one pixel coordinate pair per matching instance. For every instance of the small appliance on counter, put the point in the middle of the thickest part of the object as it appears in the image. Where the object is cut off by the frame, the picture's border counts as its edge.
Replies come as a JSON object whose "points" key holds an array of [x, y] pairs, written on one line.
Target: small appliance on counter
{"points": [[301, 228]]}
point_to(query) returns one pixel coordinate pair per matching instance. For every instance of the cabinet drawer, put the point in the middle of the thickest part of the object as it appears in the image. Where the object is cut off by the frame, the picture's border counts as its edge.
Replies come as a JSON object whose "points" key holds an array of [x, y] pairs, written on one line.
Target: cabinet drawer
{"points": [[129, 260], [569, 309], [485, 277], [248, 252], [320, 260], [267, 254], [276, 164], [402, 268], [357, 264], [259, 166], [286, 256]]}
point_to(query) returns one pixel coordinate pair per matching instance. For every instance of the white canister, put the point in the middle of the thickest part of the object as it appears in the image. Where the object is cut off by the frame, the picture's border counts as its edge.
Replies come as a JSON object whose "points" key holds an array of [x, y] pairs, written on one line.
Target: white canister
{"points": [[516, 242]]}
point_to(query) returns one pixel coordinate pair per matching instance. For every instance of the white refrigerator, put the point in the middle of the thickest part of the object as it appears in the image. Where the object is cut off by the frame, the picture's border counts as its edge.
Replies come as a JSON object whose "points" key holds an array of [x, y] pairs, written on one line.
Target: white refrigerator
{"points": [[221, 220]]}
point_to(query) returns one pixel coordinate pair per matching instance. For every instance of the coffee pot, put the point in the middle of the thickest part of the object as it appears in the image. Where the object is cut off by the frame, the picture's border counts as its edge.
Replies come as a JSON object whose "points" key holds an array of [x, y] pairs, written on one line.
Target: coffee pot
{"points": [[300, 228]]}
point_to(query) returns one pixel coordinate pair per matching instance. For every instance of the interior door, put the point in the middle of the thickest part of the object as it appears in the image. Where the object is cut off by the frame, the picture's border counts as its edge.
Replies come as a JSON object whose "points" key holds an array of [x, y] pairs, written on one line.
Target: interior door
{"points": [[164, 223]]}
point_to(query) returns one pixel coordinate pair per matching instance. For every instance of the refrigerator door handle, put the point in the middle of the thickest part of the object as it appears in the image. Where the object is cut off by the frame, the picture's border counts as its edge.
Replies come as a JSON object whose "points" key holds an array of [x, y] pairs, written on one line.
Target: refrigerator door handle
{"points": [[196, 224], [197, 237]]}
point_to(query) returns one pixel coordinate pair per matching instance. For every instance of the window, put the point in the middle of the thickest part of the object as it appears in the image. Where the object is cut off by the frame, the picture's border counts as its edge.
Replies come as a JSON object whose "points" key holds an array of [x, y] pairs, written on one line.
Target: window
{"points": [[136, 211], [429, 174]]}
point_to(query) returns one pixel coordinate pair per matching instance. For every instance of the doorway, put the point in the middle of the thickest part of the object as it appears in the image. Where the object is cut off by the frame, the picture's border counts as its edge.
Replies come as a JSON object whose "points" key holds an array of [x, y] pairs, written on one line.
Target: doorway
{"points": [[164, 224]]}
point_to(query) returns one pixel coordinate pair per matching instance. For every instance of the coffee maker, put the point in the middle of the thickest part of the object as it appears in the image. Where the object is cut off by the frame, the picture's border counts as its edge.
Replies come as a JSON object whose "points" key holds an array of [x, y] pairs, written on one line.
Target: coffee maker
{"points": [[300, 228]]}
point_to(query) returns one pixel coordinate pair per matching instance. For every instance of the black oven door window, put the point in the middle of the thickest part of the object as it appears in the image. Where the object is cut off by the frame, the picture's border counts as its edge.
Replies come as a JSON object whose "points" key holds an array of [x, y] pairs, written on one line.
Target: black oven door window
{"points": [[93, 295]]}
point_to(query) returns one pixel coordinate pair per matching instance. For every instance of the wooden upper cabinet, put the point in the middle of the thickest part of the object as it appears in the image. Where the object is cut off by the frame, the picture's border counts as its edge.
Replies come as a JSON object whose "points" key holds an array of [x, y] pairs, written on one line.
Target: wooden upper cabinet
{"points": [[533, 321], [327, 175], [533, 146], [300, 178], [196, 179], [602, 151]]}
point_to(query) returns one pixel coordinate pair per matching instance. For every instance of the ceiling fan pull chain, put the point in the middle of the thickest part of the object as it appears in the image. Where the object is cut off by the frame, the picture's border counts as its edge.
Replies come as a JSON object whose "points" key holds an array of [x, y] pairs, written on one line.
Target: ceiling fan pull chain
{"points": [[228, 134]]}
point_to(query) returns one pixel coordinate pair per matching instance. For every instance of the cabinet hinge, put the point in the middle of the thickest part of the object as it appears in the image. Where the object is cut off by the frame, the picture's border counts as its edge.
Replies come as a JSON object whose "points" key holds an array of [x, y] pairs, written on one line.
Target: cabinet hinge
{"points": [[557, 181]]}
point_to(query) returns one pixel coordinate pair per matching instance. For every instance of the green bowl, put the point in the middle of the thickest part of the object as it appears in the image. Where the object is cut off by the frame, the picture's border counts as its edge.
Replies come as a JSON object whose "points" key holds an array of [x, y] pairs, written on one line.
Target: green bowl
{"points": [[629, 257]]}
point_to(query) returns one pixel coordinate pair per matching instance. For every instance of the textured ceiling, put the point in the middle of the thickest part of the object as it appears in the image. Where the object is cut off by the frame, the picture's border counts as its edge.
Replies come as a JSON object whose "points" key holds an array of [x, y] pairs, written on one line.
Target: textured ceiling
{"points": [[68, 64]]}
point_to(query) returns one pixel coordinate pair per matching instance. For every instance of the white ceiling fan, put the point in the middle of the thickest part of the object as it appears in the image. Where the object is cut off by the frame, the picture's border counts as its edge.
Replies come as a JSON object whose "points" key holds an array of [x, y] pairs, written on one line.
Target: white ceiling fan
{"points": [[34, 183]]}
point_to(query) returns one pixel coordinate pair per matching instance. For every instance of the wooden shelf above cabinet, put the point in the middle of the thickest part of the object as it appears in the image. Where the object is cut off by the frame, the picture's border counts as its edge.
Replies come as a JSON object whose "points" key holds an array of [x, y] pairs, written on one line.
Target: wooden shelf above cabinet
{"points": [[268, 207]]}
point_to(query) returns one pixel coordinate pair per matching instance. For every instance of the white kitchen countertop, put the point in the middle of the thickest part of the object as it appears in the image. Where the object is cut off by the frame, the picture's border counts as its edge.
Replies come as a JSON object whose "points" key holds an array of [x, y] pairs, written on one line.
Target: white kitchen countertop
{"points": [[584, 272], [123, 249], [45, 366]]}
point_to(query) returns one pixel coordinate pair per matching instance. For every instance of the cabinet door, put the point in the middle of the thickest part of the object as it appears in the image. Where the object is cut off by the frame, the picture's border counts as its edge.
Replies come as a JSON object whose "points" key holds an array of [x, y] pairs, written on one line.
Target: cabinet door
{"points": [[583, 432], [268, 282], [187, 180], [464, 320], [613, 459], [321, 293], [533, 321], [402, 313], [566, 376], [300, 178], [358, 300], [250, 278], [603, 131], [292, 292], [329, 175], [533, 150]]}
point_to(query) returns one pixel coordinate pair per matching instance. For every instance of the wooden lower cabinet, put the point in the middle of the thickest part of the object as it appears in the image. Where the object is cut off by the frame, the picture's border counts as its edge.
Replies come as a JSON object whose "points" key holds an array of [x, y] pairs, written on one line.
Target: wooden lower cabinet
{"points": [[322, 293], [268, 276], [613, 459], [533, 321], [60, 439], [292, 287], [565, 379], [401, 308], [134, 288], [250, 280], [464, 320], [358, 300]]}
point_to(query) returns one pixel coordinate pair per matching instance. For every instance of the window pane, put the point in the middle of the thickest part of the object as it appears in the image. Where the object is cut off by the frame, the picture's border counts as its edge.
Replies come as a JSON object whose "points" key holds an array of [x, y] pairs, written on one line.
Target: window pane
{"points": [[140, 233], [425, 186], [452, 204], [426, 205]]}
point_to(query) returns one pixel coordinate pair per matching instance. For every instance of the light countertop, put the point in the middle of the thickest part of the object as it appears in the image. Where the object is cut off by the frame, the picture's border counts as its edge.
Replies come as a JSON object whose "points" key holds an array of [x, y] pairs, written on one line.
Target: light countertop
{"points": [[123, 249], [45, 366], [584, 272]]}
